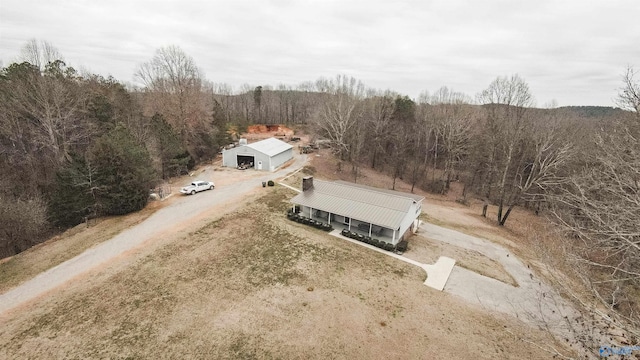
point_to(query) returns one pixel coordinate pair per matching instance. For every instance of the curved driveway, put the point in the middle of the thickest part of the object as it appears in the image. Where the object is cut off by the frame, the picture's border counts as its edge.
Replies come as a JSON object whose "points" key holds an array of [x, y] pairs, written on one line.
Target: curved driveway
{"points": [[180, 211]]}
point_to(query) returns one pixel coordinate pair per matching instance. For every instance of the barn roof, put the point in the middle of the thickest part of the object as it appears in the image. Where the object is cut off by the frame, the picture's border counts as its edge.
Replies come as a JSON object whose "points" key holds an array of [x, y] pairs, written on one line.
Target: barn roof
{"points": [[380, 207], [270, 146]]}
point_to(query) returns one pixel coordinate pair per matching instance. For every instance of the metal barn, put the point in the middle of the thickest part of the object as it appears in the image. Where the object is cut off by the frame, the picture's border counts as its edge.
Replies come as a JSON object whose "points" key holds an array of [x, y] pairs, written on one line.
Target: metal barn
{"points": [[267, 154]]}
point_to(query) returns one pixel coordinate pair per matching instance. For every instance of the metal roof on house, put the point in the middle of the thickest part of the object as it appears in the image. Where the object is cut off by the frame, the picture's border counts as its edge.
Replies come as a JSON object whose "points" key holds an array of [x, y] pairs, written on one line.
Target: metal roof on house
{"points": [[380, 207], [270, 146]]}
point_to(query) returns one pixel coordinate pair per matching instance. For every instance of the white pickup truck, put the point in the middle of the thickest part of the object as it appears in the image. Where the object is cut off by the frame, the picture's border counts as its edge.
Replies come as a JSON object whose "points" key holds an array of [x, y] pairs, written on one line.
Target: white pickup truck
{"points": [[197, 186]]}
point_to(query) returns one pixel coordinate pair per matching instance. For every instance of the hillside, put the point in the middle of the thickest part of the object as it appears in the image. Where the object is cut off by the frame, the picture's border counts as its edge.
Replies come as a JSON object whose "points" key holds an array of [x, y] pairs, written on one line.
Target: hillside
{"points": [[248, 283]]}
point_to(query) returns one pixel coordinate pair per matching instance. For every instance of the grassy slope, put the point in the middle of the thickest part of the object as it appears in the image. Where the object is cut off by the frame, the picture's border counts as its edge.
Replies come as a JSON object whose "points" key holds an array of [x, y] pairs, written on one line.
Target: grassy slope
{"points": [[253, 285], [61, 248]]}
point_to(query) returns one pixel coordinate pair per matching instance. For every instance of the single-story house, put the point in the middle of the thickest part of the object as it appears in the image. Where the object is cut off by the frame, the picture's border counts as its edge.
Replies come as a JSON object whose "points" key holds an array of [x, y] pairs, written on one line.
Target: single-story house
{"points": [[383, 214], [267, 154]]}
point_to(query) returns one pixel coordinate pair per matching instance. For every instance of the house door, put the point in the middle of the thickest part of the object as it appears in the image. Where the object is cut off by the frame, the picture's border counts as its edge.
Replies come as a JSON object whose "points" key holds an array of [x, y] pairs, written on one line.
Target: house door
{"points": [[259, 165]]}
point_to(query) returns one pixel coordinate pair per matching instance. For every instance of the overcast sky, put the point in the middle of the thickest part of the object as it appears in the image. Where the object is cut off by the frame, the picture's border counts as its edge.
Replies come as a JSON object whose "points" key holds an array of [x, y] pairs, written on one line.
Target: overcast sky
{"points": [[572, 51]]}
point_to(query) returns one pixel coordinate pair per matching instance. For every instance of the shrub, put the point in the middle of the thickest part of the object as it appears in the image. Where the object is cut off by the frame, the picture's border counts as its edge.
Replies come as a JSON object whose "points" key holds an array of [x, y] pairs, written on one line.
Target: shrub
{"points": [[437, 187], [345, 232], [402, 246], [270, 183], [374, 242], [381, 244], [389, 247], [24, 222]]}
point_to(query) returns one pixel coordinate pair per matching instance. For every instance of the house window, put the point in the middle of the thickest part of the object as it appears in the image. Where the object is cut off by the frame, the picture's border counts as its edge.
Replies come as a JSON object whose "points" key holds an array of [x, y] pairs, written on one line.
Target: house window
{"points": [[346, 220]]}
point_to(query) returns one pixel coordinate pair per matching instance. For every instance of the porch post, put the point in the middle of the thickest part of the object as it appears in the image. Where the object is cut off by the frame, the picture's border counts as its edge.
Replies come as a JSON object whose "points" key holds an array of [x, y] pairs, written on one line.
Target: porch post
{"points": [[310, 212], [349, 224], [393, 239], [329, 219], [370, 226]]}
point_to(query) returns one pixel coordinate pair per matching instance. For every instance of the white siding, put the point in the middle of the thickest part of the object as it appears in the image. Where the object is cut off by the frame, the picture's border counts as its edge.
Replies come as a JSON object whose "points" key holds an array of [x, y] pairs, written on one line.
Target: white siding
{"points": [[279, 159], [260, 157], [413, 213], [229, 158], [269, 163]]}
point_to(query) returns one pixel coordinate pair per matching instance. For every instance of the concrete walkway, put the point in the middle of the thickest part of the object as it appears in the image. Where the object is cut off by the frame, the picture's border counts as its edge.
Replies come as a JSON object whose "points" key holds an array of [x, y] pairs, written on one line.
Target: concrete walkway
{"points": [[437, 274], [288, 186]]}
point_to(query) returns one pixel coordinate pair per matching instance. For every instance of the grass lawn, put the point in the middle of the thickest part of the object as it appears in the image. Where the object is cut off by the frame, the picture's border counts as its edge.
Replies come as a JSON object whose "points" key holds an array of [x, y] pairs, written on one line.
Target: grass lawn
{"points": [[254, 285]]}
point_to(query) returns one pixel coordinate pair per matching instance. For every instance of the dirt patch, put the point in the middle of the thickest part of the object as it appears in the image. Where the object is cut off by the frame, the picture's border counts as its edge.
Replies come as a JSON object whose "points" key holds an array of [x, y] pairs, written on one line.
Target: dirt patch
{"points": [[259, 132], [263, 129], [239, 287]]}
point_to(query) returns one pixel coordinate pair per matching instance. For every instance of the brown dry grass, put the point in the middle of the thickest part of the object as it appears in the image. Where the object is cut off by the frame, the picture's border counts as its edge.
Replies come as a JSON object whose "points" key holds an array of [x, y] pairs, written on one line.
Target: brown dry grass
{"points": [[67, 245], [428, 251], [74, 241], [253, 285], [525, 233], [438, 209]]}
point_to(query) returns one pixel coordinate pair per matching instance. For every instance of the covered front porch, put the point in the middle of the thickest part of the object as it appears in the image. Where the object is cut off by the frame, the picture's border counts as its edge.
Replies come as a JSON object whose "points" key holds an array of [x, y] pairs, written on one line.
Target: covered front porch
{"points": [[341, 222]]}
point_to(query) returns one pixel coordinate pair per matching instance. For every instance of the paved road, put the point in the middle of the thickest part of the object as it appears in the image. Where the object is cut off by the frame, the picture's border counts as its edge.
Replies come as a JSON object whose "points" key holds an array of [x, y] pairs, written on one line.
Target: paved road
{"points": [[182, 210]]}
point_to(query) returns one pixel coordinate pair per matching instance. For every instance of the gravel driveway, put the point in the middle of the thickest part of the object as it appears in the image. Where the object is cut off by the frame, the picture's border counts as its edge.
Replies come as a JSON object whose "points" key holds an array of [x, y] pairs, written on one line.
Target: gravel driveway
{"points": [[181, 210], [533, 301]]}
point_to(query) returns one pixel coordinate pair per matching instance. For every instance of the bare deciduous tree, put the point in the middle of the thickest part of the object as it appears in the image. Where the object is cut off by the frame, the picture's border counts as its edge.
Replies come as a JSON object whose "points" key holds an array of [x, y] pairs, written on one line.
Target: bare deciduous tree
{"points": [[452, 121], [23, 220], [47, 105], [340, 110], [598, 205], [629, 96], [507, 100], [40, 53], [378, 112], [173, 85]]}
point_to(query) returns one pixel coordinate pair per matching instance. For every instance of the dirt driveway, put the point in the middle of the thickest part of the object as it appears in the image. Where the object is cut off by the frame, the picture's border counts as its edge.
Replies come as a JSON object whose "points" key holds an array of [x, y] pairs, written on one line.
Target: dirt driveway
{"points": [[231, 187]]}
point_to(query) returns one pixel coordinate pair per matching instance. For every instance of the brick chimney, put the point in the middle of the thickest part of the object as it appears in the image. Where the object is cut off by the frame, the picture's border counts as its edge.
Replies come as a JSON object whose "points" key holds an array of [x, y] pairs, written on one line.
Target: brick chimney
{"points": [[307, 183]]}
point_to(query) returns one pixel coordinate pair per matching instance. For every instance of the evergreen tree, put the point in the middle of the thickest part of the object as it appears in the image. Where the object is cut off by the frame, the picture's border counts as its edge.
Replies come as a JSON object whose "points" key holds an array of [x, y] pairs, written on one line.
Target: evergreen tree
{"points": [[72, 198], [168, 148], [124, 173]]}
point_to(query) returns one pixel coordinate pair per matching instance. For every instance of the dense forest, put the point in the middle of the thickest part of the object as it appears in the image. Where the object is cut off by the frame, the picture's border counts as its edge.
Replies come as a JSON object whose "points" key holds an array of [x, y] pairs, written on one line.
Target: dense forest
{"points": [[75, 146]]}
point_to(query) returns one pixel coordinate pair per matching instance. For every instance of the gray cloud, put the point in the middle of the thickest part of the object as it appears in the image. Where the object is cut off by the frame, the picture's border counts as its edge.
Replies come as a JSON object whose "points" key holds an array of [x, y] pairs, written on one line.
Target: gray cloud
{"points": [[571, 51]]}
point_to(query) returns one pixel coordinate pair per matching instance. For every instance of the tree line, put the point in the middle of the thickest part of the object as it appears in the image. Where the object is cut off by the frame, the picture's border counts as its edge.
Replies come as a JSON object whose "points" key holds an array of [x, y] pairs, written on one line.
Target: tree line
{"points": [[77, 145], [577, 166]]}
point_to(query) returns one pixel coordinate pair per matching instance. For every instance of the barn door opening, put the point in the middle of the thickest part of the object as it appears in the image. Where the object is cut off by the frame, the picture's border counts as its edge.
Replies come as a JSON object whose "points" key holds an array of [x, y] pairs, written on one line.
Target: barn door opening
{"points": [[245, 161]]}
